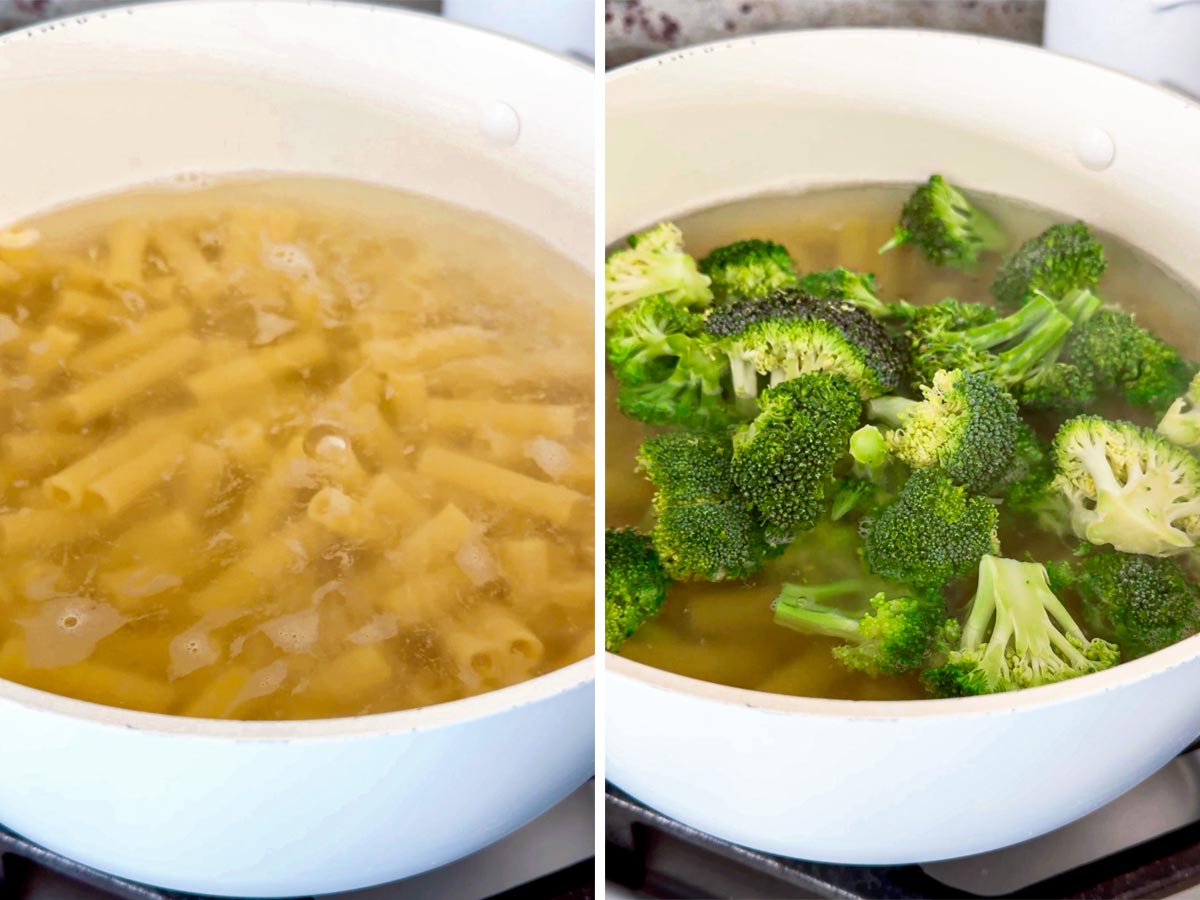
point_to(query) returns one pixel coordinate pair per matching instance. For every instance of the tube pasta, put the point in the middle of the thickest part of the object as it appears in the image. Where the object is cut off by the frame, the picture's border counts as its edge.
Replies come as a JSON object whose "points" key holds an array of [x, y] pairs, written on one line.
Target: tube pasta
{"points": [[525, 419], [35, 530], [140, 337], [439, 537], [501, 486], [186, 260], [498, 648], [106, 393], [31, 453], [127, 243], [355, 671], [427, 347], [247, 579], [118, 488], [257, 369]]}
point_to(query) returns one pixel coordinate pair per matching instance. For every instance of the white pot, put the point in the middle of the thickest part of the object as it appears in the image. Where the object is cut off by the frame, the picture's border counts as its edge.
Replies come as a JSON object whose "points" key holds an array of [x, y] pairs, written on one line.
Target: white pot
{"points": [[899, 782], [114, 99]]}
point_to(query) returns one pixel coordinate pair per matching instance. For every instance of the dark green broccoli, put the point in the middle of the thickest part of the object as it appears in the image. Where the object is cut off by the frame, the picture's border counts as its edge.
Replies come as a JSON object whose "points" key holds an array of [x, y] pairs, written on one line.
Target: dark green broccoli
{"points": [[891, 637], [789, 334], [1061, 259], [1144, 603], [1028, 482], [856, 287], [748, 269], [851, 495], [704, 531], [1119, 355], [945, 226], [1127, 486], [783, 460], [1181, 422], [635, 584], [931, 534], [1020, 351], [967, 426], [1017, 635], [654, 263]]}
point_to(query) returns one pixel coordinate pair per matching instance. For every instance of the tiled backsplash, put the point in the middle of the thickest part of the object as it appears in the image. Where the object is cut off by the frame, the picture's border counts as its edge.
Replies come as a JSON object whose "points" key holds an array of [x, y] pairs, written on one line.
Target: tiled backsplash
{"points": [[637, 28]]}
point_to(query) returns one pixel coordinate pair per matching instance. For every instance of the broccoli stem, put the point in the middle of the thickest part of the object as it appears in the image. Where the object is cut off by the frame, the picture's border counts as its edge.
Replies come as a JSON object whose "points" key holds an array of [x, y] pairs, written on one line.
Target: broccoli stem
{"points": [[1079, 305], [745, 378], [992, 238], [1042, 346], [1027, 319], [799, 608], [868, 447], [891, 411]]}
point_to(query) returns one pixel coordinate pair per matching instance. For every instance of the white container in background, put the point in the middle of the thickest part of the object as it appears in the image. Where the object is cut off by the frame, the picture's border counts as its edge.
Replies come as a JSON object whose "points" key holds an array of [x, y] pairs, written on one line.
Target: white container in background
{"points": [[1158, 40], [564, 26]]}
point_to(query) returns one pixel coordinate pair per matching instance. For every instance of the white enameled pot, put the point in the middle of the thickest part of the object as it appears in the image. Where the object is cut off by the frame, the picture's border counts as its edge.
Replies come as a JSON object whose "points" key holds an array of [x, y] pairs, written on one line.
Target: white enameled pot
{"points": [[146, 93], [899, 782]]}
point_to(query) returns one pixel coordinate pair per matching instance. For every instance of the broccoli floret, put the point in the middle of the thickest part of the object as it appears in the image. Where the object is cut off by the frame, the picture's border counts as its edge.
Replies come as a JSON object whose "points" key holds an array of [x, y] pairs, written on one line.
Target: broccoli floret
{"points": [[868, 447], [1181, 422], [654, 263], [788, 334], [1017, 635], [748, 269], [1028, 479], [1019, 351], [1144, 603], [856, 287], [643, 340], [1127, 486], [635, 584], [684, 466], [783, 460], [933, 533], [892, 637], [945, 226], [850, 495], [1061, 259], [1119, 355], [967, 425], [704, 531]]}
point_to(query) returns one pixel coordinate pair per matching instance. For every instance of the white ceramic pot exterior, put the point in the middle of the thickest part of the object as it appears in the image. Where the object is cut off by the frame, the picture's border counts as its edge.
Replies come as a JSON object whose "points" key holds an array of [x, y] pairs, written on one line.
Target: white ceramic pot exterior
{"points": [[150, 92], [896, 782]]}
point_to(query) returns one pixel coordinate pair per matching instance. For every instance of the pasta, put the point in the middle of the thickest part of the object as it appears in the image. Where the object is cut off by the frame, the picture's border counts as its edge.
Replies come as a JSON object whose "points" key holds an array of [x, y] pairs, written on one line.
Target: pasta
{"points": [[231, 485]]}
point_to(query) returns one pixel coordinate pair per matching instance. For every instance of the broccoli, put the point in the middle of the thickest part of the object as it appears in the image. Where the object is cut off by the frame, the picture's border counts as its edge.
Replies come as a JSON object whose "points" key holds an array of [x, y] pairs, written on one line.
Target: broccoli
{"points": [[704, 531], [788, 334], [654, 263], [854, 287], [1181, 422], [783, 460], [1119, 355], [931, 534], [868, 447], [850, 495], [1027, 481], [1017, 635], [1144, 603], [1061, 259], [892, 637], [1020, 351], [644, 339], [945, 226], [967, 425], [748, 269], [1127, 486], [635, 584]]}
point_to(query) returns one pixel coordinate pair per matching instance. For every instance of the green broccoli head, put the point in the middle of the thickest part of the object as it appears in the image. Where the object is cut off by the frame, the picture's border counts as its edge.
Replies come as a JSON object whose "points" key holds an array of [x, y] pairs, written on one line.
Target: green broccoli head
{"points": [[891, 637], [783, 460], [855, 287], [945, 226], [654, 263], [852, 495], [1061, 259], [644, 339], [1056, 386], [788, 334], [635, 584], [1127, 486], [1143, 603], [709, 540], [1027, 484], [704, 531], [748, 269], [684, 466], [1181, 422], [1119, 355], [1017, 635], [967, 426], [690, 392], [931, 534]]}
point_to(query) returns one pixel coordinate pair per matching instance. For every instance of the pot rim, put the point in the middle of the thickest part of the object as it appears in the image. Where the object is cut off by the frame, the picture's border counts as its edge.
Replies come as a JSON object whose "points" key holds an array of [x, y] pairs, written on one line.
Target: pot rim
{"points": [[576, 675], [880, 710]]}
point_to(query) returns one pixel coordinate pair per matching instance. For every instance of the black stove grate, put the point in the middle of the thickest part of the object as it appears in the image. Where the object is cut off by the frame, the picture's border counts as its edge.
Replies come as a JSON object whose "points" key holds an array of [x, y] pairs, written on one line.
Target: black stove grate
{"points": [[19, 858], [636, 836]]}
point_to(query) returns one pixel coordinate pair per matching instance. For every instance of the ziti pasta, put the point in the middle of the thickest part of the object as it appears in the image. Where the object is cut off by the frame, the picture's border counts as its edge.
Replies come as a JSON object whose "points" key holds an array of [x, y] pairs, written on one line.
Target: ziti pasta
{"points": [[290, 449]]}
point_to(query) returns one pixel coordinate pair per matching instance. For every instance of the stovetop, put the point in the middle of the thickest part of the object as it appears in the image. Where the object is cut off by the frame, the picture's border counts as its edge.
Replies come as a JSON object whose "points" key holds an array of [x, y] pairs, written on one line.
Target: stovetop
{"points": [[1143, 844], [549, 859]]}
